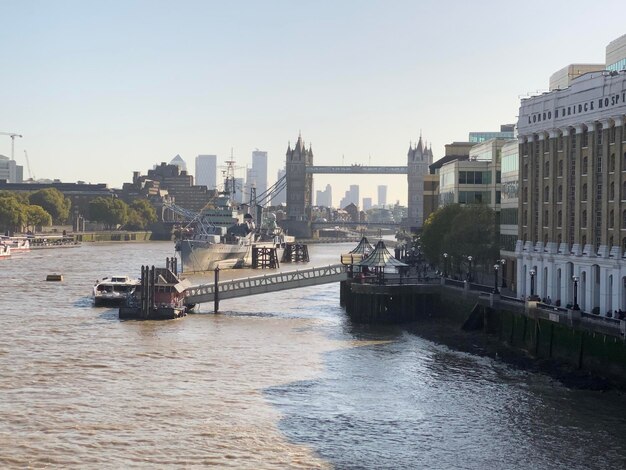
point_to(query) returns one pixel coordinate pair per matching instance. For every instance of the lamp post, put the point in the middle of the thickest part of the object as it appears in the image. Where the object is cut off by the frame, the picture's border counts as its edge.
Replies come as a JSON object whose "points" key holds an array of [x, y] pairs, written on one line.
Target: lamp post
{"points": [[503, 262], [469, 268], [445, 265], [575, 279], [532, 284], [495, 278]]}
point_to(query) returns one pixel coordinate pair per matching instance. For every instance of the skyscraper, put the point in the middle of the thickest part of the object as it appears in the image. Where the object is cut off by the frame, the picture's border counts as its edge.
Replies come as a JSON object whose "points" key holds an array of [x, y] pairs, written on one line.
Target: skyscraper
{"points": [[206, 171], [179, 162], [281, 196], [259, 171], [382, 195]]}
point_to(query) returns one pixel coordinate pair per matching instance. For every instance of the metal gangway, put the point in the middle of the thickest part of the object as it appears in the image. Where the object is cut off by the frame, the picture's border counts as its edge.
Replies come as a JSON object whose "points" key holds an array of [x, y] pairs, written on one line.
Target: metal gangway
{"points": [[266, 283]]}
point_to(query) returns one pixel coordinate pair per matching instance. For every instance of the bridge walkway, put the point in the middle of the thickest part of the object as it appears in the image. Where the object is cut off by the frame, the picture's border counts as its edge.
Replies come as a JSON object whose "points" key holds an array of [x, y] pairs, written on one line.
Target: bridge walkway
{"points": [[266, 283]]}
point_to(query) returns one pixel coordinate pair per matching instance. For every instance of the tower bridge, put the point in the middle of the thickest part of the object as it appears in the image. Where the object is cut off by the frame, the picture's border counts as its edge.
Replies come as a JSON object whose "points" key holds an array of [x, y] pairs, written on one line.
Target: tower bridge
{"points": [[299, 183]]}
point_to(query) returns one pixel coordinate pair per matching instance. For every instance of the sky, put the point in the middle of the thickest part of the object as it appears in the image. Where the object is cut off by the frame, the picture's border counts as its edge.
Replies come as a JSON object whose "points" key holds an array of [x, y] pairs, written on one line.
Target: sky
{"points": [[101, 89]]}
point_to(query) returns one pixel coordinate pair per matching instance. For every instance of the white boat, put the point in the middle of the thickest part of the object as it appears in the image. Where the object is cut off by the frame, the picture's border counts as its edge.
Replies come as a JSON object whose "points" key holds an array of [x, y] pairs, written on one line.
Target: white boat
{"points": [[114, 290], [17, 244], [5, 250]]}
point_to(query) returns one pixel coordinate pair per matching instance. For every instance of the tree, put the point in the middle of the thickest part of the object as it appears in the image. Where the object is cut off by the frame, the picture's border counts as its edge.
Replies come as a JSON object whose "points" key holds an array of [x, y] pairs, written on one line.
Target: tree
{"points": [[110, 211], [460, 231], [12, 212], [36, 216], [54, 202]]}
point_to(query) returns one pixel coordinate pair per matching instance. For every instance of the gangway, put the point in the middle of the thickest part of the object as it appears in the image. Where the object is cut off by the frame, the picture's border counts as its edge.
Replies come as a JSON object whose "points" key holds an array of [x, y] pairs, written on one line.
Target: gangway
{"points": [[266, 283]]}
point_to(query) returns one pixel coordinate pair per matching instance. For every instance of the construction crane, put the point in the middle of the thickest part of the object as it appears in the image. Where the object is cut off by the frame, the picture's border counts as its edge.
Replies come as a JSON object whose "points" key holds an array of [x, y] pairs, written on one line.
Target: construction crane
{"points": [[13, 135], [31, 176]]}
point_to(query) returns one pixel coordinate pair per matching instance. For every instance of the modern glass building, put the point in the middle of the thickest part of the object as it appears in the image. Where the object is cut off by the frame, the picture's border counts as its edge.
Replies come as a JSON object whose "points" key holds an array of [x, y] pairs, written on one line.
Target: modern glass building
{"points": [[206, 171]]}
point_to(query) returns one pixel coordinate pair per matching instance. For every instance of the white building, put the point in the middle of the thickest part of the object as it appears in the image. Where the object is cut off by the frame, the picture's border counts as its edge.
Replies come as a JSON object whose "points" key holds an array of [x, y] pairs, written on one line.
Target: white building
{"points": [[10, 170]]}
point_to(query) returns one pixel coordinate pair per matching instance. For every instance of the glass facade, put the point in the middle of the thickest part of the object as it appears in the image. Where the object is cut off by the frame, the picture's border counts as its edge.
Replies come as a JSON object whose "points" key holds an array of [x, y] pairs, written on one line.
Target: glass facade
{"points": [[483, 136], [617, 66], [474, 177], [474, 197]]}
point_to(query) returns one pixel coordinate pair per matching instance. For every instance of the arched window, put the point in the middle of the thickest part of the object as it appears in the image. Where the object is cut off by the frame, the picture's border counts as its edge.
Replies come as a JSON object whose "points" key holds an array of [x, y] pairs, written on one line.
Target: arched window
{"points": [[583, 194], [559, 194], [585, 165], [559, 219], [546, 169], [583, 219], [612, 163], [560, 167], [624, 219], [611, 191], [610, 241], [525, 221], [546, 217], [611, 218], [623, 189], [525, 194], [546, 194], [525, 170], [584, 240], [624, 162]]}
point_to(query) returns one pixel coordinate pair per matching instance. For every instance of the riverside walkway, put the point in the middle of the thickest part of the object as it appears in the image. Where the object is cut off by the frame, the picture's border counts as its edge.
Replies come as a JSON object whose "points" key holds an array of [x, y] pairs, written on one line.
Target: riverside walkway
{"points": [[266, 283]]}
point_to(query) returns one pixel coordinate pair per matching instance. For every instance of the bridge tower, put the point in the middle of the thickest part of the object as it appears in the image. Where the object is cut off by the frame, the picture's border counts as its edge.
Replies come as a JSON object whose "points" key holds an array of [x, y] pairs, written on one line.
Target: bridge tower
{"points": [[299, 188], [418, 159]]}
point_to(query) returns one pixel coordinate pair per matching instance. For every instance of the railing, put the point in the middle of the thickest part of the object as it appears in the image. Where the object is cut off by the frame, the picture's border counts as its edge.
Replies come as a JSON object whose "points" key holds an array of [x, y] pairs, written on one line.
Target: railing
{"points": [[267, 283]]}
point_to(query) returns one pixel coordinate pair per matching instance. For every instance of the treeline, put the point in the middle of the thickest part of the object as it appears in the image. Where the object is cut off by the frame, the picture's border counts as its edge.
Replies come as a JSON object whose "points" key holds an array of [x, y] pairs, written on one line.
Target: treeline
{"points": [[25, 211]]}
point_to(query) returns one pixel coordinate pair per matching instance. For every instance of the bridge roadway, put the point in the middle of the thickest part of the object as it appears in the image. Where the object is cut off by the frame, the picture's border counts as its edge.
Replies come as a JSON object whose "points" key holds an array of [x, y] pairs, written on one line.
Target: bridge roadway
{"points": [[266, 283], [357, 169]]}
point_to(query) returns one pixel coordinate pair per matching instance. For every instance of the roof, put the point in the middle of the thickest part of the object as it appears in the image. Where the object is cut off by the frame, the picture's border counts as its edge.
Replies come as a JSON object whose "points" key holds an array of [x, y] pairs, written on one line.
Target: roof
{"points": [[363, 248], [381, 258]]}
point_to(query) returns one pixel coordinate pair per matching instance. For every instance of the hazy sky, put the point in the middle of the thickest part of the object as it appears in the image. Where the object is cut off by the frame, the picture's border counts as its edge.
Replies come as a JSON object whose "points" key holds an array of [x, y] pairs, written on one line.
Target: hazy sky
{"points": [[100, 89]]}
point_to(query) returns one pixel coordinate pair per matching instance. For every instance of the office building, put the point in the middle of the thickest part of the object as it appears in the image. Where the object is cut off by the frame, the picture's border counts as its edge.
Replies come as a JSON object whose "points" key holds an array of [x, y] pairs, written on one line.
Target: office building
{"points": [[367, 203], [10, 171], [561, 79], [616, 54], [281, 196], [259, 171], [179, 162], [324, 198], [507, 131], [206, 171], [572, 221], [351, 196], [382, 195]]}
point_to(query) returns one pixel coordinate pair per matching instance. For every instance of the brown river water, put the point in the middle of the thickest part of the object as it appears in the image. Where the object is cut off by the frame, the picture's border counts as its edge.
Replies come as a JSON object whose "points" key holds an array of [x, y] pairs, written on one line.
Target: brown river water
{"points": [[277, 380]]}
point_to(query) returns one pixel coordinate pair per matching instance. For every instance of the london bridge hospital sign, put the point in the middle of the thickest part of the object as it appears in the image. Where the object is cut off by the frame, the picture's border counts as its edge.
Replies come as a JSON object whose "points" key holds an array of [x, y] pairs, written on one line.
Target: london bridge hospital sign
{"points": [[592, 97]]}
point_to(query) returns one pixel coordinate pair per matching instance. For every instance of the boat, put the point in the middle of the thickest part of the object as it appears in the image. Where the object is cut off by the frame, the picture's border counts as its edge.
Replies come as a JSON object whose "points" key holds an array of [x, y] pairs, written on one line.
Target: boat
{"points": [[39, 242], [114, 290], [5, 250], [221, 237], [17, 244]]}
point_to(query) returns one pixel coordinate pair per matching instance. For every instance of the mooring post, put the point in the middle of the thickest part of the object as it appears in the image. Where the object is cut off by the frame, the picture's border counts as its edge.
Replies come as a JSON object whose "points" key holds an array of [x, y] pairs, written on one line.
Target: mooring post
{"points": [[216, 298]]}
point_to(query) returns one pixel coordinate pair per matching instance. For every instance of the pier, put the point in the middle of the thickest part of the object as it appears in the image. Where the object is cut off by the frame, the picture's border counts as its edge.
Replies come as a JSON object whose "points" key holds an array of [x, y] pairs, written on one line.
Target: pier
{"points": [[265, 283]]}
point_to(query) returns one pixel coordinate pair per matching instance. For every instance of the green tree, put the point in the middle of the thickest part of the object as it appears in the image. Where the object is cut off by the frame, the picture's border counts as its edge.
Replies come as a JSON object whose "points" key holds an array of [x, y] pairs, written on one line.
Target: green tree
{"points": [[53, 202], [460, 231], [36, 216], [12, 212], [145, 210], [110, 211]]}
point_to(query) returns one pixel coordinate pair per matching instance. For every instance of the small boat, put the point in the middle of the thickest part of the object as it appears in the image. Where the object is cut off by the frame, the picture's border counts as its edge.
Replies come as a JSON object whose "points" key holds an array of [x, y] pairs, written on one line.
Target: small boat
{"points": [[114, 290], [5, 250], [17, 244]]}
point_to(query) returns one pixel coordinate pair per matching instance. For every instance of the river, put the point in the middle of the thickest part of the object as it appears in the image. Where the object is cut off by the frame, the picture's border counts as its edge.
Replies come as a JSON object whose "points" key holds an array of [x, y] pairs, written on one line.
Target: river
{"points": [[278, 381]]}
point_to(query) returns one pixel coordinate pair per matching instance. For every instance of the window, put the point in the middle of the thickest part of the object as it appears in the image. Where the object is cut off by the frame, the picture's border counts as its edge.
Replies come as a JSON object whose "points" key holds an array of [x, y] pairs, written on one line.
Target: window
{"points": [[559, 142], [624, 162], [559, 194], [525, 221], [498, 197], [583, 219], [612, 135], [612, 163], [546, 169], [546, 194], [546, 218], [559, 238], [584, 240], [583, 194], [585, 139], [560, 167], [611, 191], [525, 170], [585, 165], [624, 219], [462, 177], [525, 194], [611, 218], [559, 219]]}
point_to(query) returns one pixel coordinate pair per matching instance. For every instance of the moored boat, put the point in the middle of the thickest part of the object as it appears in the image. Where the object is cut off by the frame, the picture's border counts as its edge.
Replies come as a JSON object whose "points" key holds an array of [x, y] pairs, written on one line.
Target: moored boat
{"points": [[17, 244], [114, 290], [5, 250]]}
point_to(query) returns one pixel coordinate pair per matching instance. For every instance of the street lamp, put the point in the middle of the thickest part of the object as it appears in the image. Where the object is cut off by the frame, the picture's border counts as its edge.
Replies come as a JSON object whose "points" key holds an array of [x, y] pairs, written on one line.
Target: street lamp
{"points": [[503, 262], [532, 283], [495, 278], [469, 268], [575, 279], [445, 265]]}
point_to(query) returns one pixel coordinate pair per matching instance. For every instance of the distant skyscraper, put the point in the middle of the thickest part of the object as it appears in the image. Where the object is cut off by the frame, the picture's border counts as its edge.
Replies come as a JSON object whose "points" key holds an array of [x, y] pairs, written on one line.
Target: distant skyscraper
{"points": [[179, 162], [325, 198], [382, 195], [281, 196], [259, 170], [206, 171], [239, 190], [367, 203], [351, 197], [10, 171]]}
